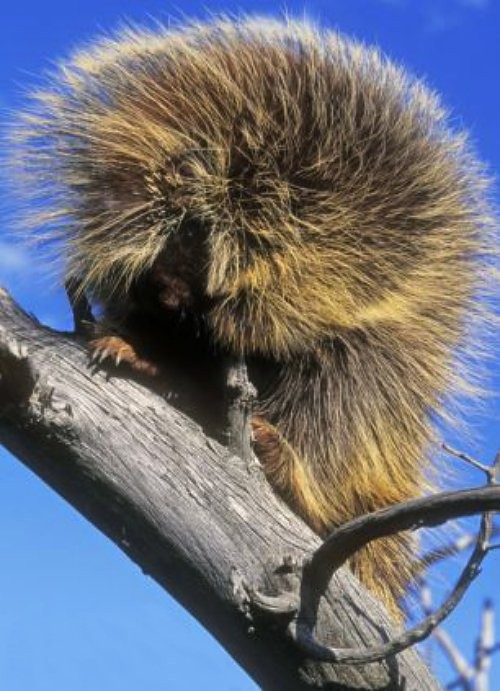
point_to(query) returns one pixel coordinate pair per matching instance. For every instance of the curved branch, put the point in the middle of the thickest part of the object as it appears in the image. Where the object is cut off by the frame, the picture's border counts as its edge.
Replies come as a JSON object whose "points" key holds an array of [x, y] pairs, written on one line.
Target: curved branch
{"points": [[418, 513], [350, 537], [301, 629], [428, 512]]}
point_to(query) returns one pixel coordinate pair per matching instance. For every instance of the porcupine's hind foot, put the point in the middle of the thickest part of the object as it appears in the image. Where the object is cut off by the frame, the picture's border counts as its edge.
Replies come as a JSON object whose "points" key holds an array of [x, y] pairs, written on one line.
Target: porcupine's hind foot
{"points": [[384, 566], [287, 473], [119, 352]]}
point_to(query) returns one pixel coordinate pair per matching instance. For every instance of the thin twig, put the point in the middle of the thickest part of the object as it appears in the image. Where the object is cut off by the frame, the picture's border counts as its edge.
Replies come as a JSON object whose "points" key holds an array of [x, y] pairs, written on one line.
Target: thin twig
{"points": [[466, 458]]}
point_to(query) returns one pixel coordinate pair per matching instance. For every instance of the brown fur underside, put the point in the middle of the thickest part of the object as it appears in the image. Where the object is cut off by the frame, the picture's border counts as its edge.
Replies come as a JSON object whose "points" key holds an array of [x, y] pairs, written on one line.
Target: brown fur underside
{"points": [[307, 202]]}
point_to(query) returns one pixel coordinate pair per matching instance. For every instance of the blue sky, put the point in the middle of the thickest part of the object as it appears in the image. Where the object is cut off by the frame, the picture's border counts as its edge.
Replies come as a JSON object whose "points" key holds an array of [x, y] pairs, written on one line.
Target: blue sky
{"points": [[75, 613]]}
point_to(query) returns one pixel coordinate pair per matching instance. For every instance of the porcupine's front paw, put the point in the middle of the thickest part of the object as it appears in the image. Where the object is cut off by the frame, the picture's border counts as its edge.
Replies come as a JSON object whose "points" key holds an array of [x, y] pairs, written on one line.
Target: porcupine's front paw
{"points": [[118, 351]]}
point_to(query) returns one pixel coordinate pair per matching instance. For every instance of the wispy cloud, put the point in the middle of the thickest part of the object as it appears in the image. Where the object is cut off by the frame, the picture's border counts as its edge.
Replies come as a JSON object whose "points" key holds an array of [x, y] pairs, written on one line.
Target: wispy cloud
{"points": [[437, 16], [441, 4], [476, 4], [13, 257]]}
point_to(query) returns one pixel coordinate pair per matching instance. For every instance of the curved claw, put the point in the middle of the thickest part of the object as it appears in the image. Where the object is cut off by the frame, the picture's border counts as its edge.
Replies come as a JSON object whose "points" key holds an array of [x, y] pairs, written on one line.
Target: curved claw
{"points": [[104, 354], [118, 351]]}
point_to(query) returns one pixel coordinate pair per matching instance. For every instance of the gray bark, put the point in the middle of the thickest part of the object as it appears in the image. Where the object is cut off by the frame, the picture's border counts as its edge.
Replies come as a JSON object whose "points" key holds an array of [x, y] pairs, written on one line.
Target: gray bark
{"points": [[200, 521]]}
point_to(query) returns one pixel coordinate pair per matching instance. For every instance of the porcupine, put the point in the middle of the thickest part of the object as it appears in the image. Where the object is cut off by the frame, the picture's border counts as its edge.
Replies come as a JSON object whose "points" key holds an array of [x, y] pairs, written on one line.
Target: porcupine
{"points": [[307, 203]]}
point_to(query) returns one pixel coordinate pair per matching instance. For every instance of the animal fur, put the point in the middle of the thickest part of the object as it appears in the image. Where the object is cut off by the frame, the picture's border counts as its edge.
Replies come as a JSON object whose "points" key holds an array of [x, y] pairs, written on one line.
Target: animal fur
{"points": [[302, 199]]}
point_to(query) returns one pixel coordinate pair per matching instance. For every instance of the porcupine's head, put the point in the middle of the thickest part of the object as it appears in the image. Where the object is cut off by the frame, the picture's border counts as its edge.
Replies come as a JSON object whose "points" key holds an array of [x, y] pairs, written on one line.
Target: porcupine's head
{"points": [[263, 164]]}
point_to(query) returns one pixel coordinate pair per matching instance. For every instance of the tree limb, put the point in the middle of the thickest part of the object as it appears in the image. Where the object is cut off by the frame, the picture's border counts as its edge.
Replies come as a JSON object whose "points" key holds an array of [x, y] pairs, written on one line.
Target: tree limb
{"points": [[351, 536], [182, 507]]}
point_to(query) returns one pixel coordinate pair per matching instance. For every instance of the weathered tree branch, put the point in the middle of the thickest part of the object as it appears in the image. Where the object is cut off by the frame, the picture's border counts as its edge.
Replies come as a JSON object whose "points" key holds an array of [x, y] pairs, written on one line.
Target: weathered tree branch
{"points": [[182, 507], [351, 536], [470, 676], [450, 649], [241, 394]]}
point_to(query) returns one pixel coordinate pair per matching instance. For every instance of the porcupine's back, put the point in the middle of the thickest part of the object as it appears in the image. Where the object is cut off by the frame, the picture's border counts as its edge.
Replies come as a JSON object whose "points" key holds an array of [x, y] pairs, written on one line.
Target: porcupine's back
{"points": [[344, 230]]}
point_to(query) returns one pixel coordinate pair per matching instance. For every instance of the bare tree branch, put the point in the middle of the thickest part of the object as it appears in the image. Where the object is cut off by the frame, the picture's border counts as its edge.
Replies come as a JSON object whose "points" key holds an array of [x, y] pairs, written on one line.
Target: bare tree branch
{"points": [[184, 509], [465, 671], [466, 458], [348, 538], [304, 625], [471, 677], [484, 646], [241, 397]]}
